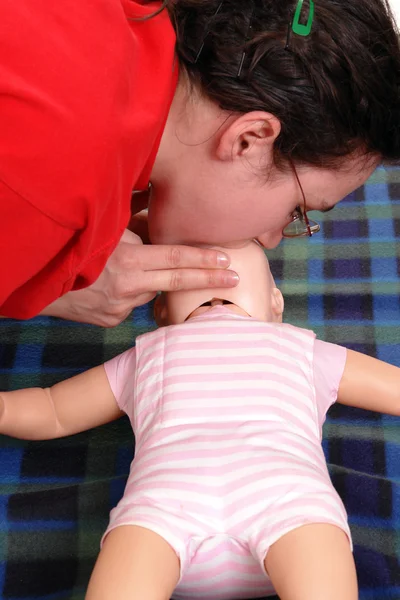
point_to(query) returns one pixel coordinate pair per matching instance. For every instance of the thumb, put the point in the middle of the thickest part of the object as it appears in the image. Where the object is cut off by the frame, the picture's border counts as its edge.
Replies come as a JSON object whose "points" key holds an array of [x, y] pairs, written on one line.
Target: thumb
{"points": [[131, 238], [139, 225]]}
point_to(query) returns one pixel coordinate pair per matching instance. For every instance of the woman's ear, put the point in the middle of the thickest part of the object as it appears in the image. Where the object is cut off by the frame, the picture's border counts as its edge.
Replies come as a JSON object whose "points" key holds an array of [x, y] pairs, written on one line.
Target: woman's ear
{"points": [[277, 305], [160, 310], [251, 136]]}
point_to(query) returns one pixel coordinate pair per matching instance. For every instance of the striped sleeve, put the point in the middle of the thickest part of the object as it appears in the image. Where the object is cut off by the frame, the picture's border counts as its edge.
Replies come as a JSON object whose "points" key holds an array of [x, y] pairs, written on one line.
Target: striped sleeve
{"points": [[329, 362], [121, 373]]}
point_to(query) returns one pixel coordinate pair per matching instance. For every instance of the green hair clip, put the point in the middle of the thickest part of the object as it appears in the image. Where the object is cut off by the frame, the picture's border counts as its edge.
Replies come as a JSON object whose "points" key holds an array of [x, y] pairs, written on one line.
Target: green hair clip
{"points": [[299, 28]]}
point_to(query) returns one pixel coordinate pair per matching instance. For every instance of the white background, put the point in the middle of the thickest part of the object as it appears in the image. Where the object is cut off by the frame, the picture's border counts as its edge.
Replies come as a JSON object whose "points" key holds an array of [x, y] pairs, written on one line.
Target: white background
{"points": [[395, 4]]}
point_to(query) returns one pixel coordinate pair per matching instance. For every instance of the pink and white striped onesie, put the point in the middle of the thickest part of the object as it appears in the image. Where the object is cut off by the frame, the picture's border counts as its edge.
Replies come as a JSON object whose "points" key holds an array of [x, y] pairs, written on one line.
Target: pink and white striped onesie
{"points": [[228, 445]]}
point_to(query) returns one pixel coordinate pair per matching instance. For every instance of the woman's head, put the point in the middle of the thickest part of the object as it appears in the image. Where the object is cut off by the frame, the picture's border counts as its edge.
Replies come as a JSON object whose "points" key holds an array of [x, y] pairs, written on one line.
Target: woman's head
{"points": [[333, 91], [329, 104]]}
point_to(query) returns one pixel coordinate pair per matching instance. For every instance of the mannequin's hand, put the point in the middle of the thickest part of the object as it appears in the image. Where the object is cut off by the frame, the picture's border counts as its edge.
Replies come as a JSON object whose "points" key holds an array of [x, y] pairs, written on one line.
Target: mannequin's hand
{"points": [[132, 276]]}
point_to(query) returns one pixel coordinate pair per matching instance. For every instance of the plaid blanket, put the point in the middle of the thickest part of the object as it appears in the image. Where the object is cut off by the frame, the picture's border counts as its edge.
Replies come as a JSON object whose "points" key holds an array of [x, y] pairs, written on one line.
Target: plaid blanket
{"points": [[55, 496]]}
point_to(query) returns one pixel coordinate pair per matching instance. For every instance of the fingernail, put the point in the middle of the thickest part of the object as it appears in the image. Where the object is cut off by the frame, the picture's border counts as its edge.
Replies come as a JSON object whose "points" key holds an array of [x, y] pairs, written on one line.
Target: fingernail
{"points": [[232, 278], [223, 260]]}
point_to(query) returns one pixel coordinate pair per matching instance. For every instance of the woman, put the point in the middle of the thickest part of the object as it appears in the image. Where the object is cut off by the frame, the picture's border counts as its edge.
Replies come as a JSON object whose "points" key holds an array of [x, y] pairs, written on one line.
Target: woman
{"points": [[236, 113]]}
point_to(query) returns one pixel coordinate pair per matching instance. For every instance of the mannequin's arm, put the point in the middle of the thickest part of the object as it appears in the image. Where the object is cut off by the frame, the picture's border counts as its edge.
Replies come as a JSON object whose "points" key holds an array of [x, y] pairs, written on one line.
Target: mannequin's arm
{"points": [[370, 383], [74, 405]]}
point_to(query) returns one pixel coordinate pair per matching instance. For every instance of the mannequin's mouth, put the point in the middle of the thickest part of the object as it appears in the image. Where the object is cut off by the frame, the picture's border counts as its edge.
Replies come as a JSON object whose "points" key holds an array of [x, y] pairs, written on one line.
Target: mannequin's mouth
{"points": [[215, 302]]}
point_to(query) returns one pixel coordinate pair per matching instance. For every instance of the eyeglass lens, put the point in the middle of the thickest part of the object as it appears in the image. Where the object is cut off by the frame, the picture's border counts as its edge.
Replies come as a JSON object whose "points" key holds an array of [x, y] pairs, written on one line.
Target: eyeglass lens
{"points": [[298, 227]]}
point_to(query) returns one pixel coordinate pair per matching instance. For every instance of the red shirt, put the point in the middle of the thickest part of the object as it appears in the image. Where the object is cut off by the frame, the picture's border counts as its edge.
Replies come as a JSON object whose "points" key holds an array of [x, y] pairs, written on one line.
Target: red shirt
{"points": [[85, 89]]}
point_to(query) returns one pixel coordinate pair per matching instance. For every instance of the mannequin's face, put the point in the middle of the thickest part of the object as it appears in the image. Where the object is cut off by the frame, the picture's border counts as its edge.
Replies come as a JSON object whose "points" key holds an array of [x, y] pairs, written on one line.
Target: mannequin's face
{"points": [[256, 294]]}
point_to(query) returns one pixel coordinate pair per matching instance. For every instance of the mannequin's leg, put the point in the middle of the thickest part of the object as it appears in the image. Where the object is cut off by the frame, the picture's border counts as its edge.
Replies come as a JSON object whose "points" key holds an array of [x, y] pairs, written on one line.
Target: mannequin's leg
{"points": [[313, 562], [134, 564]]}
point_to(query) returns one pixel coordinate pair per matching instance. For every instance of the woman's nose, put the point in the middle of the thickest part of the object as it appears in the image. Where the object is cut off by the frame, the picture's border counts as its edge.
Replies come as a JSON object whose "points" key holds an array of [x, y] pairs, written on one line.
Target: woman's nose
{"points": [[270, 240]]}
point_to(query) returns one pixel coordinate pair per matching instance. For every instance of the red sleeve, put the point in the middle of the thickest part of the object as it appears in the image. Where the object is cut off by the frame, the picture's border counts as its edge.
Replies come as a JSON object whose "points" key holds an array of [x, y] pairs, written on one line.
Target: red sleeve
{"points": [[85, 89], [31, 245]]}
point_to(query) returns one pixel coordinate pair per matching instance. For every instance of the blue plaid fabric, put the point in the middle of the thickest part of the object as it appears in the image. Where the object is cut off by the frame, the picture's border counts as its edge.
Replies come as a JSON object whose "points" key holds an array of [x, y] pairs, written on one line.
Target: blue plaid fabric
{"points": [[55, 496]]}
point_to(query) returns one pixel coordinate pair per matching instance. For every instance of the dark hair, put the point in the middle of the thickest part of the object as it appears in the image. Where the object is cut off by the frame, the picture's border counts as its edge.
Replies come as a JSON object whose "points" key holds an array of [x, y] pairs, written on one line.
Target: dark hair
{"points": [[335, 91]]}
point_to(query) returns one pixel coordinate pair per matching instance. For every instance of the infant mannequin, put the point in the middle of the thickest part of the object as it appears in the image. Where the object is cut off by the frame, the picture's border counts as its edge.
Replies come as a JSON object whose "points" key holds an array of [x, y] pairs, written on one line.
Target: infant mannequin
{"points": [[228, 495]]}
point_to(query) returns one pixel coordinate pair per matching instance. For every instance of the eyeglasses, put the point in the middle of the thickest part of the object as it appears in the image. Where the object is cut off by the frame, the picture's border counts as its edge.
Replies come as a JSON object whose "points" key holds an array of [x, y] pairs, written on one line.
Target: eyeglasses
{"points": [[300, 225]]}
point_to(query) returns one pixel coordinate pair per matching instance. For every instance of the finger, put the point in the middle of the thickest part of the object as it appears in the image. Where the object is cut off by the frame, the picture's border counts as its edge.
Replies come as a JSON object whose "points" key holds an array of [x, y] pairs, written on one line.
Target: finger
{"points": [[130, 238], [187, 279], [154, 258]]}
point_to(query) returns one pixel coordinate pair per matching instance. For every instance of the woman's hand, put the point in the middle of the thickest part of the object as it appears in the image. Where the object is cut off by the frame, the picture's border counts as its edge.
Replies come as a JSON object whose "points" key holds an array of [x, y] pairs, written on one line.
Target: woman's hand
{"points": [[134, 273]]}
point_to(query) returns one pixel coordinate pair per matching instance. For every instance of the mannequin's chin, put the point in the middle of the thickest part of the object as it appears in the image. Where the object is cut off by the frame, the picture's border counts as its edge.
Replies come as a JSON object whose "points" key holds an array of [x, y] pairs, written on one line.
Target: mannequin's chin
{"points": [[234, 308]]}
